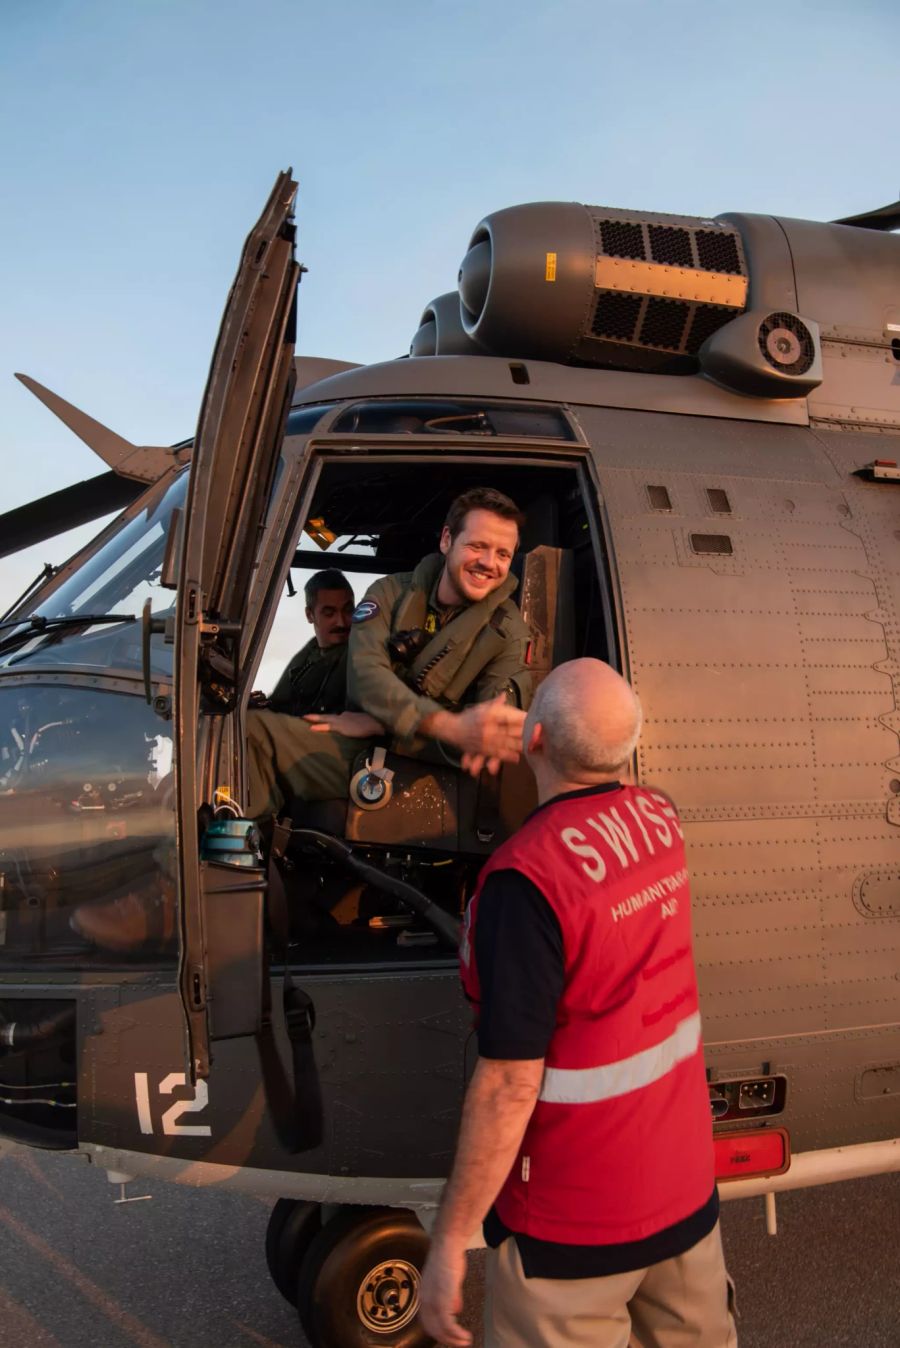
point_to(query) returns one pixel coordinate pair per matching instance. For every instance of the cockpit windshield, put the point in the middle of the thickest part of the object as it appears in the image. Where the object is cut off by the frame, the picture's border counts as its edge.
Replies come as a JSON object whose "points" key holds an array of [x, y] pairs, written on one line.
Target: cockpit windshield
{"points": [[122, 574]]}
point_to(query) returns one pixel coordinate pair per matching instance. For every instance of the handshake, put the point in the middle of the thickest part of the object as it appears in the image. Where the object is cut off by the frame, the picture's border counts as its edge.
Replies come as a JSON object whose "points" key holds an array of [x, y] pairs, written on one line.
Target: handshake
{"points": [[487, 734]]}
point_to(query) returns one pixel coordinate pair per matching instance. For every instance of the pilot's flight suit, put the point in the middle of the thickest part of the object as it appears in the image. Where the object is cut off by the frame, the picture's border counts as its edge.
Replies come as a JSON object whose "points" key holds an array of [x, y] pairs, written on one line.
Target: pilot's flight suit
{"points": [[474, 654], [315, 680]]}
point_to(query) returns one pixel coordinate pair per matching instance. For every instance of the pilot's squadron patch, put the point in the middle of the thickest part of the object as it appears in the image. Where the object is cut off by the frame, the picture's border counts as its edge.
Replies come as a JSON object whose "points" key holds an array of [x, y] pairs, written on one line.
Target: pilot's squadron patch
{"points": [[364, 611]]}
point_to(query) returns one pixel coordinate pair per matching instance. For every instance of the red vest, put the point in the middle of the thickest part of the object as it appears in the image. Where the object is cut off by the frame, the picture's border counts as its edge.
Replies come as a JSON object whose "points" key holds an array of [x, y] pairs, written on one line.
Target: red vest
{"points": [[619, 1146]]}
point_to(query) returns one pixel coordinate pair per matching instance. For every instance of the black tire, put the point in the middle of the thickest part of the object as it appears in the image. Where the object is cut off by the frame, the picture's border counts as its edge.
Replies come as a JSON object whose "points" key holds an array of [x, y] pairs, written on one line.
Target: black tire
{"points": [[293, 1226], [358, 1284]]}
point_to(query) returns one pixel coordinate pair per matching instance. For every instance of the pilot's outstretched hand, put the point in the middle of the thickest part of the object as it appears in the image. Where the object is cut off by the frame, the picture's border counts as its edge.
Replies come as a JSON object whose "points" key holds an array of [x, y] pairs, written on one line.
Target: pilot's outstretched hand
{"points": [[356, 725], [489, 734]]}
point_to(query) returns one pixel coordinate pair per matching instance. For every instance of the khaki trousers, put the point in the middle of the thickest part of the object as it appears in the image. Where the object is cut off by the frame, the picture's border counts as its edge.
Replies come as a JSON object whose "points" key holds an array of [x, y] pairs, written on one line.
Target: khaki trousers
{"points": [[286, 758], [679, 1303]]}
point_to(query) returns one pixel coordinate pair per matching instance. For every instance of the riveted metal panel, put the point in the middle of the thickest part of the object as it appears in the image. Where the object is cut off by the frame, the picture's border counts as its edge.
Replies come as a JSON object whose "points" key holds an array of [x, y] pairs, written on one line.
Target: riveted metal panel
{"points": [[653, 278], [694, 445], [860, 386], [860, 843], [769, 685]]}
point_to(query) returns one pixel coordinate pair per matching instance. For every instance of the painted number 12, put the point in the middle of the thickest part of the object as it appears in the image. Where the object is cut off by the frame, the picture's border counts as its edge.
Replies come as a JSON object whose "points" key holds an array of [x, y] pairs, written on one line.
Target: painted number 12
{"points": [[169, 1121]]}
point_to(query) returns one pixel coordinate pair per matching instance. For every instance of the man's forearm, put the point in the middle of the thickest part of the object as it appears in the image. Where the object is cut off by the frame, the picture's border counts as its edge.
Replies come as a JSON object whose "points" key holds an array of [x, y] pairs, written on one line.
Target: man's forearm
{"points": [[499, 1102], [439, 725]]}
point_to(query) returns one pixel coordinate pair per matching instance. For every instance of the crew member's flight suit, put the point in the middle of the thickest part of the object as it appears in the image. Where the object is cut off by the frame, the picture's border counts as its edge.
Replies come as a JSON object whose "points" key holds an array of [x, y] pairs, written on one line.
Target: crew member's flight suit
{"points": [[315, 680], [472, 655]]}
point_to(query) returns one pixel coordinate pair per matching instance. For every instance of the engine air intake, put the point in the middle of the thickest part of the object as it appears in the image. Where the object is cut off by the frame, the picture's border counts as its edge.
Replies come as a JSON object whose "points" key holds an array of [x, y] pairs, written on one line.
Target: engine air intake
{"points": [[440, 331]]}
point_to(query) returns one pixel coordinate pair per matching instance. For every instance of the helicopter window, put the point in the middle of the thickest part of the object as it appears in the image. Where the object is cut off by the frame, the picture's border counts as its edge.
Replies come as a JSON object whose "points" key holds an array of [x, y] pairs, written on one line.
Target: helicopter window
{"points": [[456, 417], [87, 830], [659, 498], [719, 503], [719, 543], [302, 419], [123, 572]]}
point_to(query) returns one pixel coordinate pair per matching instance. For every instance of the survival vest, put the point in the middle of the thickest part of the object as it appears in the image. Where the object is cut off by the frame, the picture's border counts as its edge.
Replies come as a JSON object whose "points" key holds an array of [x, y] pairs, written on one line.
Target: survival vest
{"points": [[619, 1146]]}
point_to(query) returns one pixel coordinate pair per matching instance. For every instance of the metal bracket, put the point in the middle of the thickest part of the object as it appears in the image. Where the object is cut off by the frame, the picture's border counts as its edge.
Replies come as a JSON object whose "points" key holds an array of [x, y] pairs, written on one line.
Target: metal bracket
{"points": [[371, 788]]}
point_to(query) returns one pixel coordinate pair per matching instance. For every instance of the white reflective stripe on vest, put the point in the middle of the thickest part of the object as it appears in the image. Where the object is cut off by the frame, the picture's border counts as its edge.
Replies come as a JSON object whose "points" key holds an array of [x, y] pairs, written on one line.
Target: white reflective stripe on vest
{"points": [[587, 1085]]}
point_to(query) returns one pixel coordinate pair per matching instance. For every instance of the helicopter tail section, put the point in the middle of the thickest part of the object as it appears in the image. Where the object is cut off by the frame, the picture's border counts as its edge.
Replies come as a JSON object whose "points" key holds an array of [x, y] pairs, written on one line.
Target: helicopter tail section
{"points": [[132, 468], [142, 463]]}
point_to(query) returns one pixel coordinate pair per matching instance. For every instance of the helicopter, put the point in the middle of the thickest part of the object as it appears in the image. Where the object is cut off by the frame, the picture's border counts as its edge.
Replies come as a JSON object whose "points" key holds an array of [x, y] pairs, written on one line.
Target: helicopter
{"points": [[700, 419]]}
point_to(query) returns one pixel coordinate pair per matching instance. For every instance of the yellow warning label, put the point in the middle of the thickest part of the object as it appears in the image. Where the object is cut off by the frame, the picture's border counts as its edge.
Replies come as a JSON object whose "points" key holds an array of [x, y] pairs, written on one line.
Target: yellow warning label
{"points": [[550, 272]]}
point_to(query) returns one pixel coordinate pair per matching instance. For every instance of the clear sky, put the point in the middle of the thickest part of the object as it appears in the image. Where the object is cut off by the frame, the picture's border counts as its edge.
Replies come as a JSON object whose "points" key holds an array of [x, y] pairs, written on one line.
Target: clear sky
{"points": [[139, 141]]}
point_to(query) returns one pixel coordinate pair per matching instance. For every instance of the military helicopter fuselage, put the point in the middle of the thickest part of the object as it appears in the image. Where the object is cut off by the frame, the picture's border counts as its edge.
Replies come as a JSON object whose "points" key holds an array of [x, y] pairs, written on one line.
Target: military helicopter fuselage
{"points": [[701, 420]]}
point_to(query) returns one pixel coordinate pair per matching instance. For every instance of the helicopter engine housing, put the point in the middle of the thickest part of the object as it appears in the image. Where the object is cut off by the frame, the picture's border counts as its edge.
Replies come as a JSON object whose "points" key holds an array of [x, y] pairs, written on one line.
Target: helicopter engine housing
{"points": [[591, 285]]}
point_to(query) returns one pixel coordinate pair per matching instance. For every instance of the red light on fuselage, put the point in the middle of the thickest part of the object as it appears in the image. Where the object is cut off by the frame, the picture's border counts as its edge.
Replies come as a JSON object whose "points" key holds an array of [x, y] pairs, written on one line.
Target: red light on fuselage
{"points": [[764, 1151]]}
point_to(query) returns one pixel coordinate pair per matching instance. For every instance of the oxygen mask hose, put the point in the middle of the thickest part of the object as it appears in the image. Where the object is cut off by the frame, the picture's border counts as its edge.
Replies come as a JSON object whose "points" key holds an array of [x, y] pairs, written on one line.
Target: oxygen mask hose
{"points": [[446, 926]]}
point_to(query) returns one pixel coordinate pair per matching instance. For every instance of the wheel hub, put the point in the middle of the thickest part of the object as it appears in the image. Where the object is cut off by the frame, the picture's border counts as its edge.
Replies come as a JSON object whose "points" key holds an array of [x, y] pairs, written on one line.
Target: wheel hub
{"points": [[388, 1296]]}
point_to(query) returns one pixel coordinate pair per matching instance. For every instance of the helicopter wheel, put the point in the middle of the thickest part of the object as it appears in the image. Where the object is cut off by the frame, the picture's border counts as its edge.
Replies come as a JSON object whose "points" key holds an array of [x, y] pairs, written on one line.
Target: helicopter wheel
{"points": [[293, 1225], [359, 1282]]}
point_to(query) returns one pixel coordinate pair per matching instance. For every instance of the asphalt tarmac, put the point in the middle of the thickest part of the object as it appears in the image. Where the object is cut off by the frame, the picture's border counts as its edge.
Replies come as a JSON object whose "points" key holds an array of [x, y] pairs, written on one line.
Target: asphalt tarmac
{"points": [[186, 1269]]}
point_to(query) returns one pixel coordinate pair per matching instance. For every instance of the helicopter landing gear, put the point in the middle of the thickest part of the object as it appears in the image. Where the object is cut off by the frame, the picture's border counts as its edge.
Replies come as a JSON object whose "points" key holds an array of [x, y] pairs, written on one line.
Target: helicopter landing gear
{"points": [[359, 1281], [293, 1225]]}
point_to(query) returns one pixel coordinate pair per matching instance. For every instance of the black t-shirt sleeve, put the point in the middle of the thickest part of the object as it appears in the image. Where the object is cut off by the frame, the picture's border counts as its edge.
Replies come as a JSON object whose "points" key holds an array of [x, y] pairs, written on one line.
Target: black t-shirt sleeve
{"points": [[521, 967]]}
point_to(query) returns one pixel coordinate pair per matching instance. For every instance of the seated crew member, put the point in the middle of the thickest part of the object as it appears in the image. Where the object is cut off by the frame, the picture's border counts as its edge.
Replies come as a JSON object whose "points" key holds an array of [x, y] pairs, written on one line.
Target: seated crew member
{"points": [[315, 680], [435, 654]]}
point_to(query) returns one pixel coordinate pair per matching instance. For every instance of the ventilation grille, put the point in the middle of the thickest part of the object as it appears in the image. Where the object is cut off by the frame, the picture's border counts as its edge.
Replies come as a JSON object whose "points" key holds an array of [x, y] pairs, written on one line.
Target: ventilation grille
{"points": [[718, 252], [672, 246], [706, 321], [786, 343], [696, 245], [663, 283], [620, 238], [664, 325], [719, 544], [616, 315]]}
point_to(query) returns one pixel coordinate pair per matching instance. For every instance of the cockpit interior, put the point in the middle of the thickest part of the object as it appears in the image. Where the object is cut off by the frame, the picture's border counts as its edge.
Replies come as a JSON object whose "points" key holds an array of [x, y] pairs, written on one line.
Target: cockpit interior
{"points": [[381, 513]]}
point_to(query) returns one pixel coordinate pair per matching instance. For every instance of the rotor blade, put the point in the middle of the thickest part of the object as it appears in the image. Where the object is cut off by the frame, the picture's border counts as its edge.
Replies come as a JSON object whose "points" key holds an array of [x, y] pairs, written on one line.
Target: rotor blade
{"points": [[144, 463], [886, 218], [62, 510]]}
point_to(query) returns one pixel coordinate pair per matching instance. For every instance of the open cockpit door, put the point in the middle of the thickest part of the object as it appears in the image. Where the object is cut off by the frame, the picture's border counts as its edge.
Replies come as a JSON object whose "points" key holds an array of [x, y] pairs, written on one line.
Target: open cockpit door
{"points": [[239, 435]]}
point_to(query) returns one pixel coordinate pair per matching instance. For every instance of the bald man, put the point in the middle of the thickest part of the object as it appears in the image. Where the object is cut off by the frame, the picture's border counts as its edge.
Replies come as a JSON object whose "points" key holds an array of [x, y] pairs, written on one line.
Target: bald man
{"points": [[586, 1140]]}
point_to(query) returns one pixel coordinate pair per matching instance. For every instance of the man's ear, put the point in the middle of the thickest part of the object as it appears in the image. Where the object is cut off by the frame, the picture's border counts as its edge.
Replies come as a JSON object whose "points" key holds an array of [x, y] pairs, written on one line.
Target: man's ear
{"points": [[535, 743], [446, 541], [309, 615]]}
